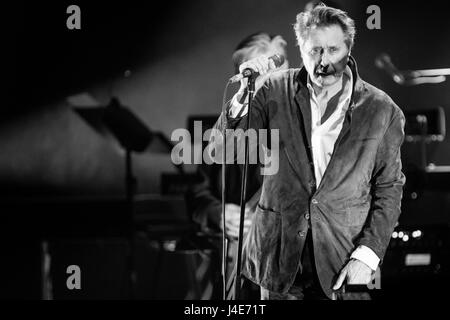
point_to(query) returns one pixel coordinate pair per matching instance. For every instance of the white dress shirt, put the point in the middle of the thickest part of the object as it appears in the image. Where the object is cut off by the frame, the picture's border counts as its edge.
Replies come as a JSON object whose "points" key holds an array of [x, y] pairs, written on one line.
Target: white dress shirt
{"points": [[324, 136]]}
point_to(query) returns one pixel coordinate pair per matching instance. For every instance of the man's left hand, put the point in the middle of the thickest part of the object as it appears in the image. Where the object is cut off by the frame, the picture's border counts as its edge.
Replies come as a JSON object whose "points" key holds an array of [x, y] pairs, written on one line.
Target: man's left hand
{"points": [[355, 272]]}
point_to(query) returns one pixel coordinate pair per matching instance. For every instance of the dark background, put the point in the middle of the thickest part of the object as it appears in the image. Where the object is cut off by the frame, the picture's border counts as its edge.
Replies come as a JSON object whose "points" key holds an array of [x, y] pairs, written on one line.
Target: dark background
{"points": [[179, 55]]}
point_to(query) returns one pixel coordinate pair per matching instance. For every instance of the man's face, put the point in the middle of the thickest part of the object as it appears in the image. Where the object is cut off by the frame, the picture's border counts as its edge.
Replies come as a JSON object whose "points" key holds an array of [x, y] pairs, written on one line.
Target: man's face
{"points": [[325, 54]]}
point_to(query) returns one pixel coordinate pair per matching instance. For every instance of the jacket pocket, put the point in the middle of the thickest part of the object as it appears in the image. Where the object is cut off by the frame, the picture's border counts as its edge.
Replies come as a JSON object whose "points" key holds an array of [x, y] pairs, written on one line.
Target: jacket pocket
{"points": [[266, 233], [260, 209]]}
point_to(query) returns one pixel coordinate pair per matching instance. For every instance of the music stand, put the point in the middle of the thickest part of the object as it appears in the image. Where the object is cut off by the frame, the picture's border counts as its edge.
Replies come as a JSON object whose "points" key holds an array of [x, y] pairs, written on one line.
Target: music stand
{"points": [[117, 123]]}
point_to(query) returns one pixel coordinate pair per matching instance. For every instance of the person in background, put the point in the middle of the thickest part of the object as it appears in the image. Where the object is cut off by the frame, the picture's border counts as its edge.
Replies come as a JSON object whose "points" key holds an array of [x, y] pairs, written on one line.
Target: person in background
{"points": [[204, 197]]}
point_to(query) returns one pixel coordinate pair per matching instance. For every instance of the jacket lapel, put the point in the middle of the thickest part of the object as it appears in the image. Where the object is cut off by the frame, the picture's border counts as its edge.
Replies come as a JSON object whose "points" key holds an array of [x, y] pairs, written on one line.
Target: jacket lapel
{"points": [[299, 155], [357, 91], [303, 102]]}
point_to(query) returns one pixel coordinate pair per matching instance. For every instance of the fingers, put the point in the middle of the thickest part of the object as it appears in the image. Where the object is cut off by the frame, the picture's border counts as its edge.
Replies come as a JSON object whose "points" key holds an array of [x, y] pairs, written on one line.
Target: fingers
{"points": [[355, 272], [233, 212], [233, 217], [231, 207], [340, 279], [232, 226], [261, 64], [359, 273], [233, 221], [359, 279], [233, 231]]}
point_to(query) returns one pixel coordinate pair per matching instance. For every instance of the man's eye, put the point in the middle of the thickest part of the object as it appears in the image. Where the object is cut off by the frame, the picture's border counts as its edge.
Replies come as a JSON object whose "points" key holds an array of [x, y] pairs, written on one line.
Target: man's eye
{"points": [[333, 50]]}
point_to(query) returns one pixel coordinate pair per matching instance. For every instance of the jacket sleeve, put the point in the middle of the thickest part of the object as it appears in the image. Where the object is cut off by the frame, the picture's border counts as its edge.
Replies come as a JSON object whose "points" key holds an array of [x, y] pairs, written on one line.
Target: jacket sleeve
{"points": [[235, 138], [387, 188]]}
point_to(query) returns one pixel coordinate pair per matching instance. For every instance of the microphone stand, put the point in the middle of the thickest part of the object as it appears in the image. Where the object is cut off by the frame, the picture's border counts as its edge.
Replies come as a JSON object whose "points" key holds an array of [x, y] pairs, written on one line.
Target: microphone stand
{"points": [[416, 77], [237, 285], [411, 77]]}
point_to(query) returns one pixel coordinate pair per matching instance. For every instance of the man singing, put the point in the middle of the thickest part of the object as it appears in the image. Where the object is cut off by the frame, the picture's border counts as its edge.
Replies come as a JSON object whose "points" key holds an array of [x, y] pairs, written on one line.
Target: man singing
{"points": [[326, 217]]}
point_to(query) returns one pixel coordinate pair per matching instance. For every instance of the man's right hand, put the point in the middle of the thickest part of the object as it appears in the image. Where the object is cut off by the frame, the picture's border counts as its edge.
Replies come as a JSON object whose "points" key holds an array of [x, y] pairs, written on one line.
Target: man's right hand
{"points": [[263, 65], [232, 218]]}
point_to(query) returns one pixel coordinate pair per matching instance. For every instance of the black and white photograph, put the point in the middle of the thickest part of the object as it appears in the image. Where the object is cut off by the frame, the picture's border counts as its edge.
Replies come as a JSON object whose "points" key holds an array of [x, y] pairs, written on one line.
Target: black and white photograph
{"points": [[224, 153]]}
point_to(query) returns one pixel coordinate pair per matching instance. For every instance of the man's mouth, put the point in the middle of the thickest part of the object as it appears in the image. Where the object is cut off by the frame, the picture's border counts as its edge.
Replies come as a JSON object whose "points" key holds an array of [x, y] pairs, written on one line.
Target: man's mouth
{"points": [[321, 74]]}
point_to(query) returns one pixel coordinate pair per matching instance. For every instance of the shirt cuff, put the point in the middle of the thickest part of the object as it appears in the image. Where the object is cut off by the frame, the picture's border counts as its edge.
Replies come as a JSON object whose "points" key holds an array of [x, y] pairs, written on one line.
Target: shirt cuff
{"points": [[366, 255], [237, 109]]}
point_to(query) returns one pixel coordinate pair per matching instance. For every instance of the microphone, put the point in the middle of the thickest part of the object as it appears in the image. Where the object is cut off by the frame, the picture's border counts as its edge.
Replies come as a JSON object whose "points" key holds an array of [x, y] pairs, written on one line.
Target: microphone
{"points": [[246, 73], [383, 61]]}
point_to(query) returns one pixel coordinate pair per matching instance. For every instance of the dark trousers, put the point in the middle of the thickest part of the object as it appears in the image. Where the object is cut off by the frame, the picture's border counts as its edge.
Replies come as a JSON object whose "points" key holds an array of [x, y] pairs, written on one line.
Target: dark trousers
{"points": [[306, 285]]}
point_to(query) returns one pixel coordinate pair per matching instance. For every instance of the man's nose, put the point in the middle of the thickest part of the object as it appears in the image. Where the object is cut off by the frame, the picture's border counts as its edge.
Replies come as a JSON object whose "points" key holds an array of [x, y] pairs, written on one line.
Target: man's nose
{"points": [[323, 66], [324, 60]]}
